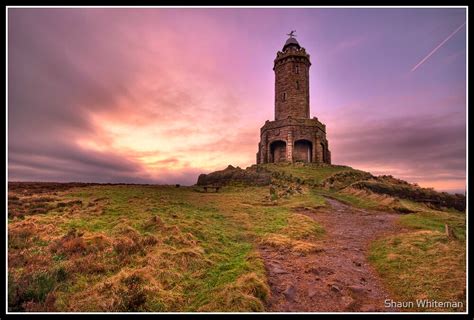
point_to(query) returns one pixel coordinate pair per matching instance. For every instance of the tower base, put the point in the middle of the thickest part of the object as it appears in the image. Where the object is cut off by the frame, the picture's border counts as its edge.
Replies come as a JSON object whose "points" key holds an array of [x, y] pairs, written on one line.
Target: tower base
{"points": [[293, 140]]}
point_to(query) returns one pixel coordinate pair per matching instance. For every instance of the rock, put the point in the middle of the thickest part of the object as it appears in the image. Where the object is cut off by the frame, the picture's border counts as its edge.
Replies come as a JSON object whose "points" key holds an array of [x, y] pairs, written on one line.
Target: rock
{"points": [[312, 292], [357, 289], [229, 175], [335, 288], [290, 292], [278, 270], [347, 302], [320, 271], [358, 264], [369, 308]]}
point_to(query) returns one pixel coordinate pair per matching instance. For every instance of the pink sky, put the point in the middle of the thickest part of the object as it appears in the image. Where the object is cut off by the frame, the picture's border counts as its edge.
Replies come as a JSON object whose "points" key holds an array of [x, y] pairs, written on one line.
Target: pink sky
{"points": [[161, 95]]}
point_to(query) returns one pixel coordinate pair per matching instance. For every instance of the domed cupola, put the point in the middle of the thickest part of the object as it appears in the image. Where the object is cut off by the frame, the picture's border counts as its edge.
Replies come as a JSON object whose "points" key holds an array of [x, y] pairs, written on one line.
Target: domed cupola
{"points": [[291, 42]]}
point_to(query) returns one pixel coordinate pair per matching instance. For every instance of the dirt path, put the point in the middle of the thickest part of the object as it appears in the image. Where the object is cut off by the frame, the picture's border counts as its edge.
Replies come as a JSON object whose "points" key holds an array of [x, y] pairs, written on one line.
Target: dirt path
{"points": [[337, 279]]}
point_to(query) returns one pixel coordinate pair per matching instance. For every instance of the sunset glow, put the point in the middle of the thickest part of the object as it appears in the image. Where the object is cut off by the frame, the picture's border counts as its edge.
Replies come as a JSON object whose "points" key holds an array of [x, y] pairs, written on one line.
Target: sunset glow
{"points": [[161, 95]]}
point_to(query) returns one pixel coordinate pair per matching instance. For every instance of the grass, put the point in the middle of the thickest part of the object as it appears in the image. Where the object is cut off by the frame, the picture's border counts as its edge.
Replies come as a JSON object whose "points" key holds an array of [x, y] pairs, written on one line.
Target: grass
{"points": [[150, 248], [436, 221], [84, 247], [358, 202], [423, 264], [310, 173]]}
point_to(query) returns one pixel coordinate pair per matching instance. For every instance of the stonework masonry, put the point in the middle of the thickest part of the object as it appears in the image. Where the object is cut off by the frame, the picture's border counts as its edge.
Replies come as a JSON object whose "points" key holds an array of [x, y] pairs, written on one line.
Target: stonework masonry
{"points": [[293, 136]]}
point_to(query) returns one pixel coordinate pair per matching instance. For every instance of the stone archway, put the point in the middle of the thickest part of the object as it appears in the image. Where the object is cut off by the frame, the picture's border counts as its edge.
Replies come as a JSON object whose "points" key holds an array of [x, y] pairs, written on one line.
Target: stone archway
{"points": [[303, 151], [277, 151]]}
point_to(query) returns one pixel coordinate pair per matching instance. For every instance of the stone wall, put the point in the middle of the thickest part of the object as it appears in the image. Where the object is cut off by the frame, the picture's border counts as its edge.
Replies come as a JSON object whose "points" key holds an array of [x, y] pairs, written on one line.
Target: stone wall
{"points": [[292, 84], [300, 139]]}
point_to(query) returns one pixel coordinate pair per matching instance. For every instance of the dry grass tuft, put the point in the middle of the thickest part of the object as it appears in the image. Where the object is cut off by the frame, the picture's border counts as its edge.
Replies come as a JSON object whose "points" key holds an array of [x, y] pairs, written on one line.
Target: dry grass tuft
{"points": [[155, 223], [247, 294], [127, 291], [300, 226], [384, 201], [71, 244], [283, 242], [187, 258], [254, 285]]}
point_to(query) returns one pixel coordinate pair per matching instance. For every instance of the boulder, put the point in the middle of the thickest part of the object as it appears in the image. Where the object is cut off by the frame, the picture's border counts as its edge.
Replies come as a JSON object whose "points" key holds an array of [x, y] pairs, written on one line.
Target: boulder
{"points": [[235, 176]]}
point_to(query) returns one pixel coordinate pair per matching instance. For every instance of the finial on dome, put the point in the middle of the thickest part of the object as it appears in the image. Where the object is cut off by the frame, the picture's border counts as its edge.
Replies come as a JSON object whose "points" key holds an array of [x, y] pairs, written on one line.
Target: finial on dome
{"points": [[291, 41], [292, 34]]}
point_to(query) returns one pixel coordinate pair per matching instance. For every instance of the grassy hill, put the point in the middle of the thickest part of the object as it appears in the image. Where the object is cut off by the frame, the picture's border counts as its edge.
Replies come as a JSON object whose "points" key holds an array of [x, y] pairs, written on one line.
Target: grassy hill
{"points": [[91, 247]]}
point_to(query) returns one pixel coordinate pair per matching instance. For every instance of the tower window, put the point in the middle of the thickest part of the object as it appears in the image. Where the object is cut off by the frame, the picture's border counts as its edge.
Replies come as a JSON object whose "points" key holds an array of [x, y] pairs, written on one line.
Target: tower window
{"points": [[297, 85], [284, 96], [297, 69]]}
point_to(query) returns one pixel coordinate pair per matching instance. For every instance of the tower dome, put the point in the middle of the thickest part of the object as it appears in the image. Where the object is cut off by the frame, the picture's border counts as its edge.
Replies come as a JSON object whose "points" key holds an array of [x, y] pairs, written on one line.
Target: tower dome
{"points": [[291, 42]]}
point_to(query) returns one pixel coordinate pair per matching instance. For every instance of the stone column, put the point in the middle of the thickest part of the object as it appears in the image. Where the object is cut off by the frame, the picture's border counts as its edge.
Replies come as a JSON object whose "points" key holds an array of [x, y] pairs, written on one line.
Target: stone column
{"points": [[318, 150], [289, 146], [264, 152], [328, 153], [313, 150], [267, 151]]}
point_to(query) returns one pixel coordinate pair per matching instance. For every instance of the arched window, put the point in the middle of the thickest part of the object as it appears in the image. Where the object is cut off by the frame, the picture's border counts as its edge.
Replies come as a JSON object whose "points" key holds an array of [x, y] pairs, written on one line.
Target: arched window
{"points": [[284, 96], [297, 69], [297, 85]]}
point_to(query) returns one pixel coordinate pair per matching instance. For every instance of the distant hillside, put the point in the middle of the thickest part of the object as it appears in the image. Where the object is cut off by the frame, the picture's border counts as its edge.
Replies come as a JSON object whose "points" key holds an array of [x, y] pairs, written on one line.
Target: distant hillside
{"points": [[340, 181]]}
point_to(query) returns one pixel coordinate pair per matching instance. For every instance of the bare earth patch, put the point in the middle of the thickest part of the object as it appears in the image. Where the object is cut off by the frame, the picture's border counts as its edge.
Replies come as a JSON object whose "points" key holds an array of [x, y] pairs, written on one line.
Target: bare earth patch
{"points": [[338, 277]]}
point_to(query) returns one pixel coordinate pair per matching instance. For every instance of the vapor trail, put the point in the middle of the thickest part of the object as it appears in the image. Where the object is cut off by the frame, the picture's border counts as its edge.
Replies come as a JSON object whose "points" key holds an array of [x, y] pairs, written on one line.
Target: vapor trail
{"points": [[437, 47]]}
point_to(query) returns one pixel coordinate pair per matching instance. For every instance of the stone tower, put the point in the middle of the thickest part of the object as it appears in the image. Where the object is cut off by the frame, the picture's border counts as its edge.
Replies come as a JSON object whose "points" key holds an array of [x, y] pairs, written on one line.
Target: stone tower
{"points": [[292, 136]]}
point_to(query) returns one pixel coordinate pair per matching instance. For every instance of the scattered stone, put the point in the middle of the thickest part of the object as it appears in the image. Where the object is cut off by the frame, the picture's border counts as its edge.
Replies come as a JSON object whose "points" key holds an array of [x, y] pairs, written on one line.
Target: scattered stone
{"points": [[335, 288], [357, 289], [290, 292], [347, 302], [312, 292], [358, 264], [321, 271], [369, 308], [279, 270]]}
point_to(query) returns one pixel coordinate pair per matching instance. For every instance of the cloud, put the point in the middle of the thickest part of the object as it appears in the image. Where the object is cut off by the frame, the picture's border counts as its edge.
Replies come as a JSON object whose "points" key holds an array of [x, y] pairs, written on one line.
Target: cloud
{"points": [[110, 98], [348, 45], [428, 147], [112, 95]]}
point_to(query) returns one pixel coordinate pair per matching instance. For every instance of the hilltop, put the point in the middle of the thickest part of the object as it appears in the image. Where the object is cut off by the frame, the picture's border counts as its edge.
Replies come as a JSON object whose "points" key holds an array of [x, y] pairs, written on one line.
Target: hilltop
{"points": [[267, 241], [344, 183]]}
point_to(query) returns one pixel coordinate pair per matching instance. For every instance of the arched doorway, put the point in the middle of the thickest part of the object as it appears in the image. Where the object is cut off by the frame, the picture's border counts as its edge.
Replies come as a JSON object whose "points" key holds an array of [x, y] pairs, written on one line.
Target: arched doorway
{"points": [[303, 151], [278, 151]]}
